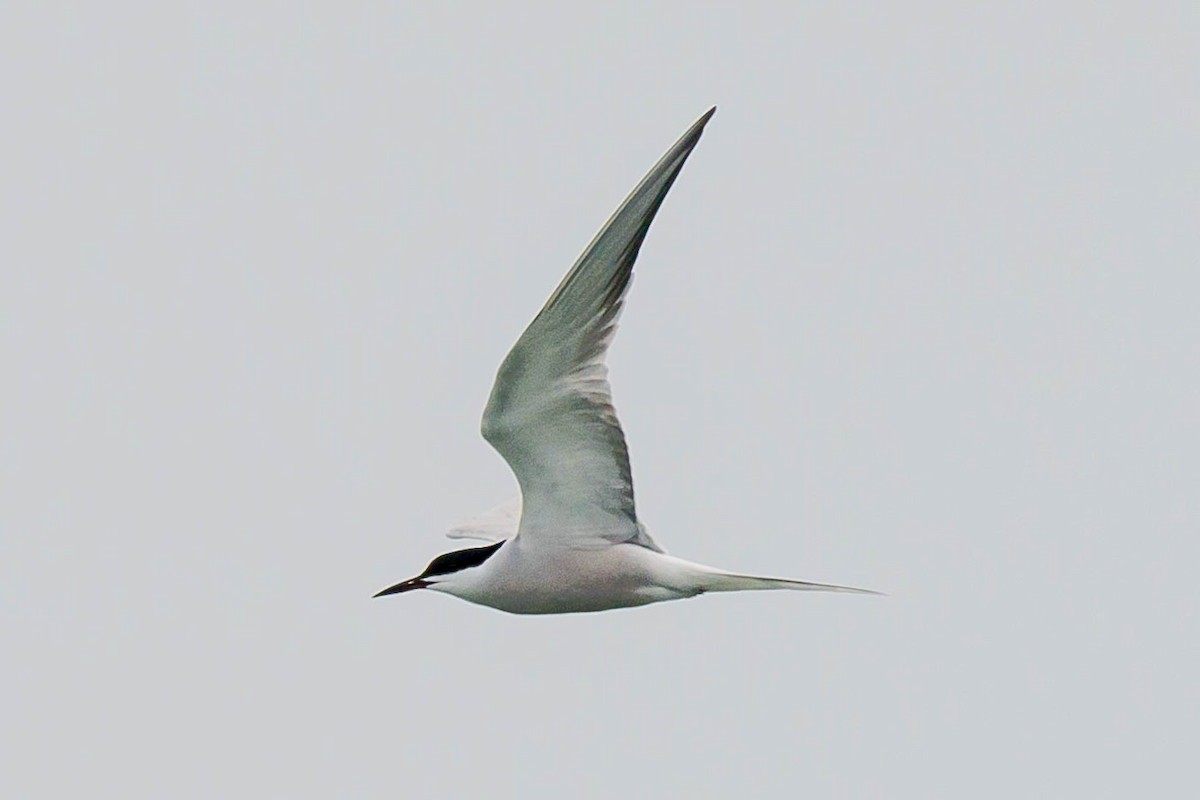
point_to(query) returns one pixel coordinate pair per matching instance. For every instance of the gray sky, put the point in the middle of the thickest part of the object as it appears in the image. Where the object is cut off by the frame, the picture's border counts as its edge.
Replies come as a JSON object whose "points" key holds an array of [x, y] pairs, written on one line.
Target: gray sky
{"points": [[919, 315]]}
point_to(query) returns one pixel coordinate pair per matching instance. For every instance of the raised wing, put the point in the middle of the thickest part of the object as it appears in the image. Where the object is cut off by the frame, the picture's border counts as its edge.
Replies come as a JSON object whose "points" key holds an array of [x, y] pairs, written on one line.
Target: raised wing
{"points": [[550, 414]]}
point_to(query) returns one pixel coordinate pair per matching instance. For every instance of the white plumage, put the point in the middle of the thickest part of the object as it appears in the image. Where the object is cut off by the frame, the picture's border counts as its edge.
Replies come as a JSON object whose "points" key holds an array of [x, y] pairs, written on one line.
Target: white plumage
{"points": [[572, 541]]}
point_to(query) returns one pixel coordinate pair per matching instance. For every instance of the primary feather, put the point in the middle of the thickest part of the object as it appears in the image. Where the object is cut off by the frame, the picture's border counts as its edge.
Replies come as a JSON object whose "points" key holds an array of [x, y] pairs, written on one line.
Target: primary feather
{"points": [[550, 414]]}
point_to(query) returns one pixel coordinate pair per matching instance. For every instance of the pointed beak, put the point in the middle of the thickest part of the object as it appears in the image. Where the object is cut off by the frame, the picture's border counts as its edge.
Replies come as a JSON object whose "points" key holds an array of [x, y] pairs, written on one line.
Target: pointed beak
{"points": [[406, 586]]}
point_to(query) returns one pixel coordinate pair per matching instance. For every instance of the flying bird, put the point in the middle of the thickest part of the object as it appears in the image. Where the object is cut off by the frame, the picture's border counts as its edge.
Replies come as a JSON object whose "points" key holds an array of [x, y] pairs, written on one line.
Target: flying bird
{"points": [[571, 541]]}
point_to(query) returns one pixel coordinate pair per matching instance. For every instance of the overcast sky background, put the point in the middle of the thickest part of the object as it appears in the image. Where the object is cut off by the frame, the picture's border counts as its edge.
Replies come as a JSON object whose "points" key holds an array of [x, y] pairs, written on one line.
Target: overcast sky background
{"points": [[919, 315]]}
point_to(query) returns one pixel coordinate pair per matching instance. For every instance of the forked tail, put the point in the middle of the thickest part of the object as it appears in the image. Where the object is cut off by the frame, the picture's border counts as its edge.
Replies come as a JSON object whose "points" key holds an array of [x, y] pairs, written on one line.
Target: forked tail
{"points": [[727, 582]]}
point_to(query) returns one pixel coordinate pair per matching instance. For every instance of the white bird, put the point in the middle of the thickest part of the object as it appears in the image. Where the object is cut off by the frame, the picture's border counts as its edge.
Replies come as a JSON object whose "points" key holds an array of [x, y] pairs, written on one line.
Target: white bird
{"points": [[571, 541]]}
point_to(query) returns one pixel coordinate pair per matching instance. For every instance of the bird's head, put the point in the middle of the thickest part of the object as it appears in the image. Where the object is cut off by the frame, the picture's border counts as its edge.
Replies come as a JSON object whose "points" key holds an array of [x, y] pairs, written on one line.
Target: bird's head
{"points": [[447, 572]]}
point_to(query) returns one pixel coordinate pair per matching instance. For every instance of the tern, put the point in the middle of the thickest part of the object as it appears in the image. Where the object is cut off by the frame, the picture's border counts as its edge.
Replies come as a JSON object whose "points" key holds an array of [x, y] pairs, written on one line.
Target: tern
{"points": [[571, 540]]}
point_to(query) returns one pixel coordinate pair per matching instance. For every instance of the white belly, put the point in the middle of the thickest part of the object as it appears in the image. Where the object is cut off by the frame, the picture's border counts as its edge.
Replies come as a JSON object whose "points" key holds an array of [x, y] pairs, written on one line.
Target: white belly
{"points": [[563, 580]]}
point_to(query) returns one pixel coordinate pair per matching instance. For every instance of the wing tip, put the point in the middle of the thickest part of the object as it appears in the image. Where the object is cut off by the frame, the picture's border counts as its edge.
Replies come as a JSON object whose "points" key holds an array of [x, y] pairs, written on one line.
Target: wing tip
{"points": [[693, 133]]}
